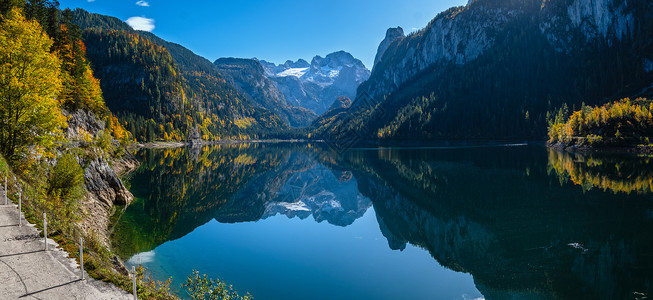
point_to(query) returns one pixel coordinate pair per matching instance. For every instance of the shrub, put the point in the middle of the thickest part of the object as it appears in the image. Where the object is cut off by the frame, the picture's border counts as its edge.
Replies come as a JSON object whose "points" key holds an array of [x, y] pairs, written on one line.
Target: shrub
{"points": [[104, 141], [205, 288], [149, 288], [65, 186]]}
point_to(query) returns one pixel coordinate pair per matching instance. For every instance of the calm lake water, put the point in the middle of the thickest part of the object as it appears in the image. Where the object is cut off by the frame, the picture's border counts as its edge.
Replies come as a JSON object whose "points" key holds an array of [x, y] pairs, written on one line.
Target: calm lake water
{"points": [[300, 221]]}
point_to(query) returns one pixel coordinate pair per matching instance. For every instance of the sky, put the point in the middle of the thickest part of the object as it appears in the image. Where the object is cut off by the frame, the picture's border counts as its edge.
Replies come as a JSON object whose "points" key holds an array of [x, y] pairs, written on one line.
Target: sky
{"points": [[275, 31]]}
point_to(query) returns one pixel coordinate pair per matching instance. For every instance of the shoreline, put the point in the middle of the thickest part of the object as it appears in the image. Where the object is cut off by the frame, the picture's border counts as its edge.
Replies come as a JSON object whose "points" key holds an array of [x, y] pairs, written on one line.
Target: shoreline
{"points": [[637, 149], [340, 145], [177, 144]]}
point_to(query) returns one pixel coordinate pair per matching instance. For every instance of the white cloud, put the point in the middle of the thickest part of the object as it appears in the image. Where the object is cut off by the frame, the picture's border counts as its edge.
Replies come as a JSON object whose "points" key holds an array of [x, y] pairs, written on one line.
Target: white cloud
{"points": [[141, 3], [141, 23]]}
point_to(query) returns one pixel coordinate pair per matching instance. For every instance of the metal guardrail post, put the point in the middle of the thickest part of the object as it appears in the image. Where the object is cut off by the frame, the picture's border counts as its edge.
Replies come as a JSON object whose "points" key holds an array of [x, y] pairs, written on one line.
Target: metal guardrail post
{"points": [[134, 287], [45, 231], [81, 255]]}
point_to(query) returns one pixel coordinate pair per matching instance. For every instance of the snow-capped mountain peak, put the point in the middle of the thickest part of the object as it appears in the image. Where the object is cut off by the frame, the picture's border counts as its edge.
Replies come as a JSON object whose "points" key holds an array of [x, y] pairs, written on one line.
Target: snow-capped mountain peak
{"points": [[317, 84]]}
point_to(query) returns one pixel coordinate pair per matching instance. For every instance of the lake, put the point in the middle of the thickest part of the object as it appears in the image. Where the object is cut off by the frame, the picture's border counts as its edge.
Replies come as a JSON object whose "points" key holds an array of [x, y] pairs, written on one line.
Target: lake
{"points": [[309, 221]]}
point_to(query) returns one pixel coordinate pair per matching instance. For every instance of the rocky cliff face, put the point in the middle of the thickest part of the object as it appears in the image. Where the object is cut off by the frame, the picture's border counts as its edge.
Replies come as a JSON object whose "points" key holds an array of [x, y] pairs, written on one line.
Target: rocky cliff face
{"points": [[455, 36], [101, 172], [316, 86], [461, 34], [105, 190], [392, 35], [82, 122], [590, 20]]}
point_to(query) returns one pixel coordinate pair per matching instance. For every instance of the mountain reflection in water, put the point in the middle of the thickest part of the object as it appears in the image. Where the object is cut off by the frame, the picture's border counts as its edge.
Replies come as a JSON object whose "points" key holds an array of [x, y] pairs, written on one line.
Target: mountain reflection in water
{"points": [[525, 222]]}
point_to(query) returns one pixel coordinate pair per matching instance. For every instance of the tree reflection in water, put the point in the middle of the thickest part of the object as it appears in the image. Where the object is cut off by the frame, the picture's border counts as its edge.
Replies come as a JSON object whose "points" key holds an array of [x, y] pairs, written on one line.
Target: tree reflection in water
{"points": [[513, 217]]}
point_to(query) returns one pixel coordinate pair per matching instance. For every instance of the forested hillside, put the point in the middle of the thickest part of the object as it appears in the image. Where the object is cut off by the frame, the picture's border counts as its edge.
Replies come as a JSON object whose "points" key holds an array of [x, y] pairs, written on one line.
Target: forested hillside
{"points": [[139, 79], [494, 69], [163, 91], [336, 112], [249, 76]]}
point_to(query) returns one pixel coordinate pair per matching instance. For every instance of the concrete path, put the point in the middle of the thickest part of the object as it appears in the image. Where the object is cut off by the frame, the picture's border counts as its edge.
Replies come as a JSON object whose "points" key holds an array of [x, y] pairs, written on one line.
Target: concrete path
{"points": [[29, 272]]}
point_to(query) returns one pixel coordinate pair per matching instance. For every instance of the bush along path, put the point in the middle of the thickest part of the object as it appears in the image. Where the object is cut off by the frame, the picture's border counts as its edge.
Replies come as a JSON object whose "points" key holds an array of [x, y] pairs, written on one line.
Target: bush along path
{"points": [[29, 271]]}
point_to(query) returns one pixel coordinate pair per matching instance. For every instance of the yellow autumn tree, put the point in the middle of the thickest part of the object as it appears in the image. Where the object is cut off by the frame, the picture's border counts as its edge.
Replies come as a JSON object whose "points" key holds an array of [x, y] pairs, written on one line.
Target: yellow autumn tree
{"points": [[81, 88], [29, 82]]}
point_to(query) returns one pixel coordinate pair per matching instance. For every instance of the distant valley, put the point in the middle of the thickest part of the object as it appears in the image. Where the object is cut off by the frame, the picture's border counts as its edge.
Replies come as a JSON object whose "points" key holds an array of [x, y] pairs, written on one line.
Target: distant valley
{"points": [[296, 91]]}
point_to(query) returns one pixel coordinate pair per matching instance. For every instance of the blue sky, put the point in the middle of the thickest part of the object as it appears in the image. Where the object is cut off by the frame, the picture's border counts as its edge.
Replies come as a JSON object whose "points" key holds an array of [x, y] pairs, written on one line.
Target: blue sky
{"points": [[272, 30]]}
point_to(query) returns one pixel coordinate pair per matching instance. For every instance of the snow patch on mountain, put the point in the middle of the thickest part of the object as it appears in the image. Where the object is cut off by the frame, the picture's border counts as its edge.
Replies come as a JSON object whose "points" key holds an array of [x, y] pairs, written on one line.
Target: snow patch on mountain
{"points": [[296, 72], [331, 73]]}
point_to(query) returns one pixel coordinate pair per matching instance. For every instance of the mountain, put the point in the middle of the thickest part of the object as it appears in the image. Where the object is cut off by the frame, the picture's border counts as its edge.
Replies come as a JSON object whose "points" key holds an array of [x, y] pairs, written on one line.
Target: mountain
{"points": [[316, 85], [295, 91], [163, 91], [154, 84], [335, 113], [391, 35], [244, 75], [250, 78], [493, 69]]}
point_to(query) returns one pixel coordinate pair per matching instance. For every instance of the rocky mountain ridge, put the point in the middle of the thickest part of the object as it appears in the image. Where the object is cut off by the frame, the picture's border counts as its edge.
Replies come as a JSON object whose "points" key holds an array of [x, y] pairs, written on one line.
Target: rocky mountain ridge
{"points": [[461, 34], [493, 69], [391, 35], [316, 86]]}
